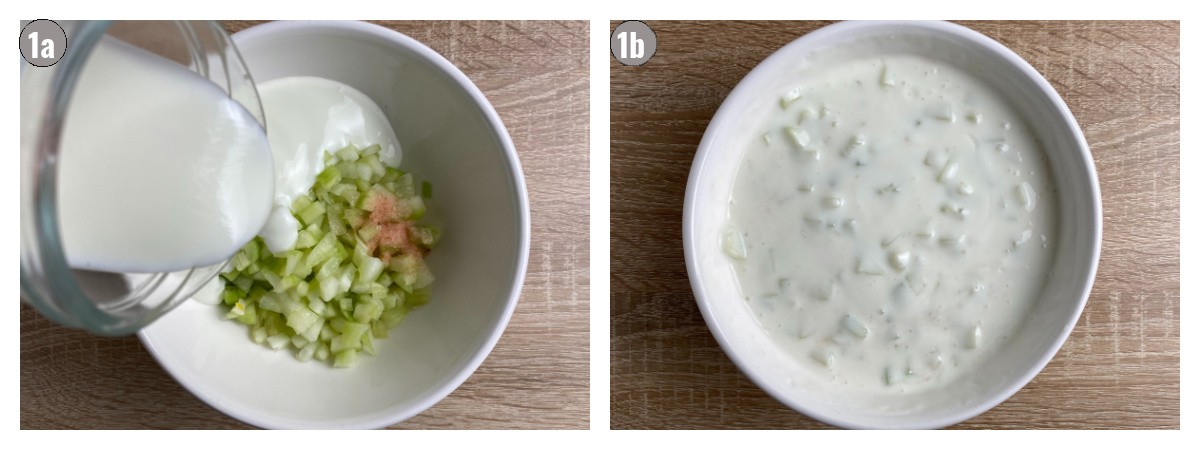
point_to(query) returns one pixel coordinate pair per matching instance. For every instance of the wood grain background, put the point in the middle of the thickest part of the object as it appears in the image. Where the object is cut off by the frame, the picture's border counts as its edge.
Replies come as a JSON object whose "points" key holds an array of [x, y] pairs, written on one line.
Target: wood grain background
{"points": [[536, 76], [1118, 369]]}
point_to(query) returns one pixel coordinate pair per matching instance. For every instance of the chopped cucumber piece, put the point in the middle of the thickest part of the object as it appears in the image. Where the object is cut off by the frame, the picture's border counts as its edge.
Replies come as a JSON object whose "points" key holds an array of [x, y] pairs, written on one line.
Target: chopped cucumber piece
{"points": [[855, 326], [347, 154], [258, 335], [347, 358], [789, 97], [322, 353], [394, 316], [824, 357], [732, 243], [307, 352], [302, 203], [278, 341], [799, 137], [312, 213], [1026, 195], [329, 177]]}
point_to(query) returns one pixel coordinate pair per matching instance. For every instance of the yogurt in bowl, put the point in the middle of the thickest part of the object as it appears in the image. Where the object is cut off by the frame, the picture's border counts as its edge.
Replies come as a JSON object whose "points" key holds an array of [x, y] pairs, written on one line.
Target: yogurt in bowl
{"points": [[450, 136], [876, 224]]}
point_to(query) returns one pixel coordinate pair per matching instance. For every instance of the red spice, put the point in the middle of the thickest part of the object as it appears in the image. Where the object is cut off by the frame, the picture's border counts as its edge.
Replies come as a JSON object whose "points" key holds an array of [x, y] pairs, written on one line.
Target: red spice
{"points": [[383, 209], [394, 236]]}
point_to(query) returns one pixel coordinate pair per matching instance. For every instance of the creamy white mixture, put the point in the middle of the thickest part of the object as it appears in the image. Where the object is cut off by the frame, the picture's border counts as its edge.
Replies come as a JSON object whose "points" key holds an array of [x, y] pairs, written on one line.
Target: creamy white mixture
{"points": [[893, 225], [307, 117], [159, 169]]}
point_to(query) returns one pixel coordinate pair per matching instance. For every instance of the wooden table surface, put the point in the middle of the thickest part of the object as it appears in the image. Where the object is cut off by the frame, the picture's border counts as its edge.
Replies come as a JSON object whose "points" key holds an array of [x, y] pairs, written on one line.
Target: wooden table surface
{"points": [[1118, 369], [536, 76]]}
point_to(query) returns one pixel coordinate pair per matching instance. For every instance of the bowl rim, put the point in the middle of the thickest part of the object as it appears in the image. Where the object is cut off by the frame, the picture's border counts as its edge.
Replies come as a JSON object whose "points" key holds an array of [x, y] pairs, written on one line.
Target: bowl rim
{"points": [[516, 176], [725, 112]]}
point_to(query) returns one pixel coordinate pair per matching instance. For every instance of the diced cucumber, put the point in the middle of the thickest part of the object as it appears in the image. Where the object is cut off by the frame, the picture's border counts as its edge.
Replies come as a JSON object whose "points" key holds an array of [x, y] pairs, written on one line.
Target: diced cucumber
{"points": [[392, 317], [378, 330], [322, 251], [418, 297], [278, 341], [370, 269], [232, 294], [405, 186], [365, 312], [415, 207], [258, 335], [251, 315], [329, 288], [301, 203], [338, 325], [241, 261], [824, 357], [855, 326], [329, 177], [334, 218], [307, 352], [347, 358], [354, 217], [304, 240], [314, 331], [302, 319], [948, 172], [348, 153], [378, 170], [312, 213], [368, 345], [243, 283], [324, 295], [733, 245], [1026, 195], [391, 175], [789, 97], [974, 338], [391, 299], [799, 137], [368, 232]]}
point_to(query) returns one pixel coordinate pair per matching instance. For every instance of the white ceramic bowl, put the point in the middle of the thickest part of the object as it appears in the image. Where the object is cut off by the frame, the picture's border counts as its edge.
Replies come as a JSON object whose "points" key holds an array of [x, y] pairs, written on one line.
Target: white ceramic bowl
{"points": [[711, 180], [451, 137]]}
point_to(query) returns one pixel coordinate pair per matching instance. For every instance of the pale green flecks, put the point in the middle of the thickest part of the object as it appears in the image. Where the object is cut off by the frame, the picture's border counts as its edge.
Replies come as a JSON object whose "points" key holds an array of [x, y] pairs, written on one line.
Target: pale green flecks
{"points": [[975, 337], [899, 260], [855, 326], [799, 137], [789, 98], [733, 244]]}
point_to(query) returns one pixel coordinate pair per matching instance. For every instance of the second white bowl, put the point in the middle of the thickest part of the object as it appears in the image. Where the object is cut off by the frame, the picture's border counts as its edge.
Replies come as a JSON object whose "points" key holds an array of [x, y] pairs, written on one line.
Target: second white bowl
{"points": [[719, 154]]}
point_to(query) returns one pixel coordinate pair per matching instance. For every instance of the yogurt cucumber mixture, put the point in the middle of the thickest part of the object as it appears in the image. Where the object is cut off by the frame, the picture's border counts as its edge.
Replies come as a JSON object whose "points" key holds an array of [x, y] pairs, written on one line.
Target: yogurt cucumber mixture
{"points": [[894, 225], [341, 259]]}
